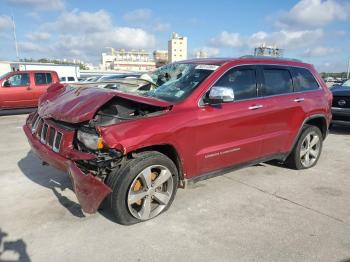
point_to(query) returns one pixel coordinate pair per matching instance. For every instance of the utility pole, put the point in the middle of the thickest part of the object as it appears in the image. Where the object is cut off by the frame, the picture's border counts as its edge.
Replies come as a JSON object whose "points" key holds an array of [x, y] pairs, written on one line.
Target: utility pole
{"points": [[348, 74], [14, 36]]}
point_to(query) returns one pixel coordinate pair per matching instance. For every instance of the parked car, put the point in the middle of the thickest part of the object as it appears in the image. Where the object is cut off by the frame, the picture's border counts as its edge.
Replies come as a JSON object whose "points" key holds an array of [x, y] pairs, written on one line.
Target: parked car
{"points": [[117, 76], [206, 117], [22, 89], [341, 104], [68, 79]]}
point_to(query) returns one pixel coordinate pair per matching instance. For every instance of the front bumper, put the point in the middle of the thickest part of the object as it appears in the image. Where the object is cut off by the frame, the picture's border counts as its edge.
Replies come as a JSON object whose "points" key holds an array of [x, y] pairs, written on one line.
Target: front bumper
{"points": [[89, 190], [341, 115]]}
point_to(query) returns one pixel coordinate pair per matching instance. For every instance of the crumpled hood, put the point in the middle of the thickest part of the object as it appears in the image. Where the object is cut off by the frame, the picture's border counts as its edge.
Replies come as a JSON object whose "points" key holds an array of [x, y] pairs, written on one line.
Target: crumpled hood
{"points": [[76, 105]]}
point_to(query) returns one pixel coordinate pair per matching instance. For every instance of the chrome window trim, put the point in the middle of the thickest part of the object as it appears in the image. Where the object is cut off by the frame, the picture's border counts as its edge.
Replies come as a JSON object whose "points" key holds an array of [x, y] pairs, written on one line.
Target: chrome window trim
{"points": [[259, 97]]}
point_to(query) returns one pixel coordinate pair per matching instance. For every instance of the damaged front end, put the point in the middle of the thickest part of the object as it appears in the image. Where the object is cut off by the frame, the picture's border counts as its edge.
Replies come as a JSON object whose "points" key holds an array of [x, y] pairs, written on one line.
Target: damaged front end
{"points": [[65, 133]]}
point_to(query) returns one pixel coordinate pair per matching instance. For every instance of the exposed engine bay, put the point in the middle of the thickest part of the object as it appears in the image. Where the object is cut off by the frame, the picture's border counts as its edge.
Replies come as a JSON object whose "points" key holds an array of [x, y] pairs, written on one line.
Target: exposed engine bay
{"points": [[120, 109]]}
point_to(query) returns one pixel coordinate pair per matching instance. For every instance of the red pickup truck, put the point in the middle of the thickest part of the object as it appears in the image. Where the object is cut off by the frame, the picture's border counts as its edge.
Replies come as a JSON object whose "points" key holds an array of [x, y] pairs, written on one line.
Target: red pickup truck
{"points": [[22, 89]]}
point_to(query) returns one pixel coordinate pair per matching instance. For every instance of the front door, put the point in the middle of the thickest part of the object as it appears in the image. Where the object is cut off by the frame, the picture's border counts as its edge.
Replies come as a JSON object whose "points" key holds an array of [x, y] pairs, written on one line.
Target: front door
{"points": [[17, 91], [231, 133]]}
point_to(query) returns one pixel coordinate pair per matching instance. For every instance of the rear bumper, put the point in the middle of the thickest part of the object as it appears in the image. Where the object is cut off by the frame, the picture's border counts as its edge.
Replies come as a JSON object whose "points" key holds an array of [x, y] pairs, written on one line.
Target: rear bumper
{"points": [[90, 191]]}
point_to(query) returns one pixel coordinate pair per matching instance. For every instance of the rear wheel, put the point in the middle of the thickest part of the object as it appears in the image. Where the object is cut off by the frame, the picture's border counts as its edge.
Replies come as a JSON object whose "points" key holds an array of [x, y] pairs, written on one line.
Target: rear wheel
{"points": [[144, 188], [308, 149]]}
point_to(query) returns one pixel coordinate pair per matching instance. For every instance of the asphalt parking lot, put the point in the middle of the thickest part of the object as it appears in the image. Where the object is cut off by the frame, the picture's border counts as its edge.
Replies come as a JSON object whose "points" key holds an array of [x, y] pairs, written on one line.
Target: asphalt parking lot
{"points": [[262, 213]]}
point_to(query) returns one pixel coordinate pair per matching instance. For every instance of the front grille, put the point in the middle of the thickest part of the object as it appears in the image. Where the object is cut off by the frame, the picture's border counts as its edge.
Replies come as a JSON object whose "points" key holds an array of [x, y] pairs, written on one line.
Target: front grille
{"points": [[47, 134], [341, 101]]}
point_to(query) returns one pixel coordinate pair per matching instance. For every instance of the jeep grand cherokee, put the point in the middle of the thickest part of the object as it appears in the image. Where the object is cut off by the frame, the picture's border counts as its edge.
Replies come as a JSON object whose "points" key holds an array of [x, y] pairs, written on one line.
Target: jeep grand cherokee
{"points": [[205, 117]]}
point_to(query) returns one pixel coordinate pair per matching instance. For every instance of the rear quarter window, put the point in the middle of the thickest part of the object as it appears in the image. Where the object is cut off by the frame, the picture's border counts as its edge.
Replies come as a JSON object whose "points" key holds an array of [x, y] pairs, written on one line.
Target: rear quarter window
{"points": [[304, 80]]}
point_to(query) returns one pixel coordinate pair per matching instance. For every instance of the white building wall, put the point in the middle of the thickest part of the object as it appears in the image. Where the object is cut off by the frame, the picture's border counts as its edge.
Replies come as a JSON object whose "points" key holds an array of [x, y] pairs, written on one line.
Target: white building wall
{"points": [[177, 48]]}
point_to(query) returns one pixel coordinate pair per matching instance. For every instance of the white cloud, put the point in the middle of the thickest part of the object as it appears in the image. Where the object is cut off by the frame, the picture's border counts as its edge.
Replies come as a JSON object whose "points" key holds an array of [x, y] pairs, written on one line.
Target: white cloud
{"points": [[211, 51], [286, 39], [161, 27], [5, 22], [85, 35], [29, 47], [319, 51], [138, 15], [38, 36], [39, 4], [290, 40], [76, 22], [226, 39], [314, 13]]}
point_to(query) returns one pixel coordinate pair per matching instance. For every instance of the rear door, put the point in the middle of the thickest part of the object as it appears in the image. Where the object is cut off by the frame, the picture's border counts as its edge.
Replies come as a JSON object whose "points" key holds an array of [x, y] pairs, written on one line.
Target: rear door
{"points": [[285, 111], [42, 81], [17, 91]]}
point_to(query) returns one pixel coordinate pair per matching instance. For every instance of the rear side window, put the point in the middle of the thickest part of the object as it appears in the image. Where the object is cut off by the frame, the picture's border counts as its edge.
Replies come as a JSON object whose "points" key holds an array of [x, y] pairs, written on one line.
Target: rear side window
{"points": [[71, 79], [63, 79], [242, 81], [42, 78], [276, 81], [304, 80]]}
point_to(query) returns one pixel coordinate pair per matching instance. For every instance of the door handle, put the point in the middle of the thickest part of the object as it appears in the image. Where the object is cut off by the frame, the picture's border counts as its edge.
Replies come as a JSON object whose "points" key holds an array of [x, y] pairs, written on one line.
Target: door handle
{"points": [[255, 107], [29, 88], [299, 99]]}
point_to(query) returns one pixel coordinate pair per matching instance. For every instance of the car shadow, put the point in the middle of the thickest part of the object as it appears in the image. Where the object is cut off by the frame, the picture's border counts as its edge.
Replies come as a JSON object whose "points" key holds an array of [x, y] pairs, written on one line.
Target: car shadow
{"points": [[339, 130], [18, 247], [50, 178]]}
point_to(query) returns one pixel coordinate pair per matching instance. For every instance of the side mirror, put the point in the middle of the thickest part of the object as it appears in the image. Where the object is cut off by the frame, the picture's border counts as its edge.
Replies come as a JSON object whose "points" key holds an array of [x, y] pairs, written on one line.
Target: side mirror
{"points": [[7, 83], [219, 94]]}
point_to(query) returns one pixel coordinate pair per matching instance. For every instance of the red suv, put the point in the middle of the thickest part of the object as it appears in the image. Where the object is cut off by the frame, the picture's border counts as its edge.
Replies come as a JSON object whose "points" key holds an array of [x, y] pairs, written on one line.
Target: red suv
{"points": [[201, 118], [22, 89]]}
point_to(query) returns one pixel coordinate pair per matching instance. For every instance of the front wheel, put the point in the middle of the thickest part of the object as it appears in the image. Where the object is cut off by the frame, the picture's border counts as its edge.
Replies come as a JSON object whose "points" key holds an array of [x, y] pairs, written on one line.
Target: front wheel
{"points": [[308, 149], [144, 188]]}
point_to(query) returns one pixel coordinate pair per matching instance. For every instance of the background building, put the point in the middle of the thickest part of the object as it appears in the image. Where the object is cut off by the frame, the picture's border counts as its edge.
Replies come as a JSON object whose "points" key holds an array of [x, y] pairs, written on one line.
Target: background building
{"points": [[177, 48], [160, 57], [134, 60], [268, 50]]}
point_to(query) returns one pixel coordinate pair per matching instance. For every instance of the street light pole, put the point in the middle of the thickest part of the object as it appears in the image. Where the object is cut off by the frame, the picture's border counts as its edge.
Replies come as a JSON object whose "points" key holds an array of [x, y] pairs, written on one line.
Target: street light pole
{"points": [[348, 74], [14, 36]]}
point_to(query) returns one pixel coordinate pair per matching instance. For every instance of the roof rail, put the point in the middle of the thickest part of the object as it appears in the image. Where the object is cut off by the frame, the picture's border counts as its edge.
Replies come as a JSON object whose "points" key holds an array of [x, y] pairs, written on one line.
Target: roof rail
{"points": [[270, 57]]}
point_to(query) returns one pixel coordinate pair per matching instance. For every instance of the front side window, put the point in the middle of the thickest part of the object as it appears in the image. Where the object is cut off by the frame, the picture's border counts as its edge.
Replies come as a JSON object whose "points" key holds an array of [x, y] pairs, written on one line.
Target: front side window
{"points": [[42, 78], [241, 81], [71, 79], [21, 79], [276, 81], [304, 80]]}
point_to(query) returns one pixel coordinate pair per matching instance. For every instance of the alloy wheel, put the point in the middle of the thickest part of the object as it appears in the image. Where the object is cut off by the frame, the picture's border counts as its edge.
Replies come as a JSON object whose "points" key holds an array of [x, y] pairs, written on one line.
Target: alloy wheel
{"points": [[310, 149], [150, 192]]}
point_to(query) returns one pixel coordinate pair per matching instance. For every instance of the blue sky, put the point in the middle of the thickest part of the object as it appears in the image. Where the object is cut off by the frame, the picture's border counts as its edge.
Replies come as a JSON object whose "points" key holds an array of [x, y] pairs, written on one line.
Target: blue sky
{"points": [[315, 31]]}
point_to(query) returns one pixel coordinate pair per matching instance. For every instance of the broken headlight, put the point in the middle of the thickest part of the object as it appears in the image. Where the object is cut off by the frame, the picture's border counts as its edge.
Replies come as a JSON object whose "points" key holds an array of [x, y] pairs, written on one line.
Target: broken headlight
{"points": [[91, 141]]}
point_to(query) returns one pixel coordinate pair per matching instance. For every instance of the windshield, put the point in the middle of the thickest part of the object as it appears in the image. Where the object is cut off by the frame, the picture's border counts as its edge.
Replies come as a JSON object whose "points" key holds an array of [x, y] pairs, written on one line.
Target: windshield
{"points": [[346, 83], [176, 81]]}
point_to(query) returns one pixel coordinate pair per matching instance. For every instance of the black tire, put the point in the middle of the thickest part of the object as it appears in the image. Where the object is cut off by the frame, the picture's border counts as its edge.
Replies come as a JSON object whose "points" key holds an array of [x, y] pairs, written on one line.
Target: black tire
{"points": [[294, 159], [121, 181]]}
